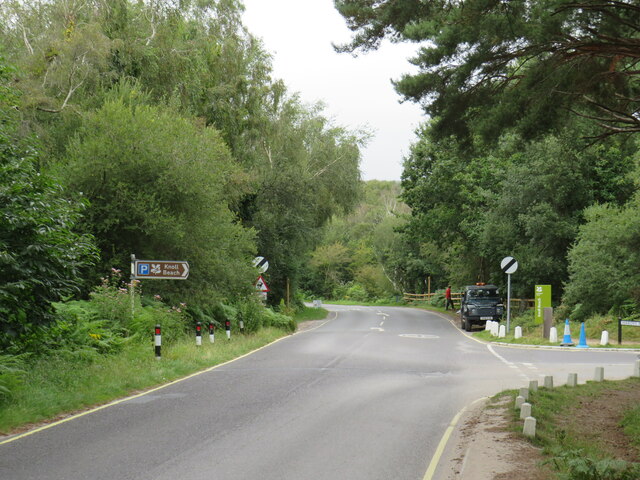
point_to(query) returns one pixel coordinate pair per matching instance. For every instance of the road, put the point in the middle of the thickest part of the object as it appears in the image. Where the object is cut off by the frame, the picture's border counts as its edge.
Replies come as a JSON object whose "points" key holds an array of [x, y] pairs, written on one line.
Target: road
{"points": [[367, 395]]}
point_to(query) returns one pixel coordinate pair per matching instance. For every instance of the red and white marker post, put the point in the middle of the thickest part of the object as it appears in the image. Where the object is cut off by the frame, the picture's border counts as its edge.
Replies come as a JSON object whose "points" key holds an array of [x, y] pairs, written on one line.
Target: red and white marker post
{"points": [[158, 341], [227, 327], [212, 337], [198, 334]]}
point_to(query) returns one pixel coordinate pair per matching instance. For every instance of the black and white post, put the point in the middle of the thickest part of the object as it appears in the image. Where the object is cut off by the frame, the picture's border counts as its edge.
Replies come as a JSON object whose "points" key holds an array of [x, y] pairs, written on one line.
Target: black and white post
{"points": [[509, 265], [198, 334], [158, 341], [212, 337], [227, 327]]}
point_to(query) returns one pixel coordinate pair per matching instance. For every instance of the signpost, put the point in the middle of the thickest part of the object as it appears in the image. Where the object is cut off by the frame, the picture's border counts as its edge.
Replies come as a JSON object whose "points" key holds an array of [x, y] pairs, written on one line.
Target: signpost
{"points": [[159, 269], [542, 301], [629, 323], [509, 265], [262, 288], [261, 264]]}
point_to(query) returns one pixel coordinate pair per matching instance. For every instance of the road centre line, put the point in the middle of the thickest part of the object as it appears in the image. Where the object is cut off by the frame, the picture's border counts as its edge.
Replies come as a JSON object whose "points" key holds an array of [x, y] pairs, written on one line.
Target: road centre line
{"points": [[153, 390]]}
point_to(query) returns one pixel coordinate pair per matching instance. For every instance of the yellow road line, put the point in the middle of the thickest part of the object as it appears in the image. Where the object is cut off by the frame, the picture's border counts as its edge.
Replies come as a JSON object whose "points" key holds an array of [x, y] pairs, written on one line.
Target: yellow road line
{"points": [[444, 440]]}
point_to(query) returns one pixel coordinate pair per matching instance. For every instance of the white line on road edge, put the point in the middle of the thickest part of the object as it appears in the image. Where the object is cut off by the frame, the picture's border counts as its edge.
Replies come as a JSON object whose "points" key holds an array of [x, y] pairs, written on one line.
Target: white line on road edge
{"points": [[498, 356], [122, 400], [445, 438]]}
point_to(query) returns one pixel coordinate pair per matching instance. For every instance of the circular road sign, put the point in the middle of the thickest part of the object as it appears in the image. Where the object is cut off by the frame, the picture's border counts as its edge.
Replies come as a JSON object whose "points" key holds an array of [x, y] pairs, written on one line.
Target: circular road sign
{"points": [[509, 265], [261, 264]]}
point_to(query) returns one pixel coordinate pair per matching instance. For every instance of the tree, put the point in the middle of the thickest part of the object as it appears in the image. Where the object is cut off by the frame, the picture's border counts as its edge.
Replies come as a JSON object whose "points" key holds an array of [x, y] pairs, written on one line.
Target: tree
{"points": [[604, 263], [489, 64], [160, 187], [42, 257]]}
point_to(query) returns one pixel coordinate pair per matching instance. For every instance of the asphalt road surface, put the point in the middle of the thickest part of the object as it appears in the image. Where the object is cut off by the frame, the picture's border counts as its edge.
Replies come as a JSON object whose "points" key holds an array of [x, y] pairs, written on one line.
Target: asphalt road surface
{"points": [[367, 395]]}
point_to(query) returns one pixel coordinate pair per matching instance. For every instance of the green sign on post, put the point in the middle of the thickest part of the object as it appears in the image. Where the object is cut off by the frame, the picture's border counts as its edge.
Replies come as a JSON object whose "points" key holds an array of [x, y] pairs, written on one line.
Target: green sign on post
{"points": [[543, 299]]}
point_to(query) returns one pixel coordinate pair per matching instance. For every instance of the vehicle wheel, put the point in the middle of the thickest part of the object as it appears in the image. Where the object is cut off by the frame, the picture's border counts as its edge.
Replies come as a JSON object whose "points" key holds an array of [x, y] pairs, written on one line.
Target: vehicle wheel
{"points": [[467, 325]]}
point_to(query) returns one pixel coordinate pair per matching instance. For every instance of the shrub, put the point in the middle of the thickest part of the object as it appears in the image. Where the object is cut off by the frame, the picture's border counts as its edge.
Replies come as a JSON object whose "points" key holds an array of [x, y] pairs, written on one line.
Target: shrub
{"points": [[11, 375]]}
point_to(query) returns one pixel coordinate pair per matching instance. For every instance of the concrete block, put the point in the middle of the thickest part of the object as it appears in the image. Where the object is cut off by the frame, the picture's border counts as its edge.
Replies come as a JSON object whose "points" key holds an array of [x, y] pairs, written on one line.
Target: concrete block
{"points": [[519, 401], [598, 376], [529, 429], [525, 410], [487, 326], [553, 335], [524, 393], [572, 380], [518, 332], [636, 369], [548, 381], [604, 338], [533, 385], [502, 332]]}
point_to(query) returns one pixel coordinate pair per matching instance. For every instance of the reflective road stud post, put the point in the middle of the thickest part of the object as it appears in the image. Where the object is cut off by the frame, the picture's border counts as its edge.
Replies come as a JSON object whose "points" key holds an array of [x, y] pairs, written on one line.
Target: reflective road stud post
{"points": [[212, 337], [198, 334], [227, 327]]}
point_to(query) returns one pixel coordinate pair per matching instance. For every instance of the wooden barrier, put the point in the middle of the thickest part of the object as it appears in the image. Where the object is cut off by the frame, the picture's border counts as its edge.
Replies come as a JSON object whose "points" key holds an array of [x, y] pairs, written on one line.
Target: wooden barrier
{"points": [[520, 304]]}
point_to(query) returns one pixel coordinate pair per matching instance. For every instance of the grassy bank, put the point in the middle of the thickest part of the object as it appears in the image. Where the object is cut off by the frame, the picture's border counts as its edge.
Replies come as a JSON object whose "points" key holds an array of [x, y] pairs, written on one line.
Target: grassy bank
{"points": [[588, 432], [56, 385]]}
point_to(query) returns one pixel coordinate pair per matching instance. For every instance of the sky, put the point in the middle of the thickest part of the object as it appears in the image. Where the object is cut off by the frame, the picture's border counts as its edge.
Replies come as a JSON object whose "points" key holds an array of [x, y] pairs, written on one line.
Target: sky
{"points": [[357, 91]]}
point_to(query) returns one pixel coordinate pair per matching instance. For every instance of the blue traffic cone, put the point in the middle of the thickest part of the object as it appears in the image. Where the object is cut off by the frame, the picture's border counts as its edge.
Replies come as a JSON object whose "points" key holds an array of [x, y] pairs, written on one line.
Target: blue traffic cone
{"points": [[582, 343], [566, 341]]}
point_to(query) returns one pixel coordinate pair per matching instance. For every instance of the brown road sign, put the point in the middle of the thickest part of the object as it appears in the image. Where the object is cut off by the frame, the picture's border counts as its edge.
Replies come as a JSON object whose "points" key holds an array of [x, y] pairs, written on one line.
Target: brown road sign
{"points": [[160, 270]]}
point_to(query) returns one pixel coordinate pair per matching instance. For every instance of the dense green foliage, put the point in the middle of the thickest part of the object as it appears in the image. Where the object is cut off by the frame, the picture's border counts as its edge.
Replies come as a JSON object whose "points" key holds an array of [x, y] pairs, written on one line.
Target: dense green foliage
{"points": [[519, 156], [353, 260], [489, 65], [154, 129], [42, 257]]}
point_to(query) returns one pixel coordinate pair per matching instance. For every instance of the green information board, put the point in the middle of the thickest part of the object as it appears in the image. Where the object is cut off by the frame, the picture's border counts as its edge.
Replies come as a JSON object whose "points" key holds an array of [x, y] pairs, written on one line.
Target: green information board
{"points": [[543, 299]]}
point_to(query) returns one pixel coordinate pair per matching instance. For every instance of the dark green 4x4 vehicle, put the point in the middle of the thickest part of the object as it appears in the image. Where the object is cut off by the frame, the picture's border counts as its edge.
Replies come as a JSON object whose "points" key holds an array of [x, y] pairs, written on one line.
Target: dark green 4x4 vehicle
{"points": [[480, 303]]}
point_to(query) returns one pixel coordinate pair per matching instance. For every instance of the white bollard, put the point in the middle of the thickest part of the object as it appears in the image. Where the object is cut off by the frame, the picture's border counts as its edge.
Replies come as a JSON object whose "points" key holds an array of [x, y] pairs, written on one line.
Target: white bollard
{"points": [[529, 429], [598, 376], [502, 332], [553, 335], [487, 326], [636, 369], [494, 328], [518, 332], [572, 380], [533, 385], [524, 393], [519, 401], [525, 410], [548, 381], [604, 338]]}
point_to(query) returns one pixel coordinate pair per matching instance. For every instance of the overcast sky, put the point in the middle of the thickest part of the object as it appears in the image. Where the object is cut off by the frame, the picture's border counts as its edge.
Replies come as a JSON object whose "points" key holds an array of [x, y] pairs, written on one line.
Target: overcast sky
{"points": [[357, 91]]}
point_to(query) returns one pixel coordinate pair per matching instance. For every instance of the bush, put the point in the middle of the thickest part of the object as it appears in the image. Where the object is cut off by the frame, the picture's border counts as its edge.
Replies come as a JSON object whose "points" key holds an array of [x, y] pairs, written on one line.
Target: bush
{"points": [[11, 375], [277, 320]]}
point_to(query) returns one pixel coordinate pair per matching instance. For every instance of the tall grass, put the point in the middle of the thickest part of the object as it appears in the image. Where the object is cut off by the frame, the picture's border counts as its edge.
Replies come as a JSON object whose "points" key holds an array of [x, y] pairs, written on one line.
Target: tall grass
{"points": [[60, 384]]}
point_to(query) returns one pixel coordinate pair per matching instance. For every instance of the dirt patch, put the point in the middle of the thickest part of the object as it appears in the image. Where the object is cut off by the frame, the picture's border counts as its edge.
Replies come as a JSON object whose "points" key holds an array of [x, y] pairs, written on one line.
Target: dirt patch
{"points": [[597, 419], [484, 448]]}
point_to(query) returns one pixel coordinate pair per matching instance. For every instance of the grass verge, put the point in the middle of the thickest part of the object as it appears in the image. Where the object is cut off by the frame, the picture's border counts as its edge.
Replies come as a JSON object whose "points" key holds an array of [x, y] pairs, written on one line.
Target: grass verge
{"points": [[589, 432], [54, 386]]}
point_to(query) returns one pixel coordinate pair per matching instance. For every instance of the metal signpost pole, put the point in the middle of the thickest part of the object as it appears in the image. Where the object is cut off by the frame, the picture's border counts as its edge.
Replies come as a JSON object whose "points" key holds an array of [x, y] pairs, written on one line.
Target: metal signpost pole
{"points": [[509, 265], [131, 286], [508, 302]]}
